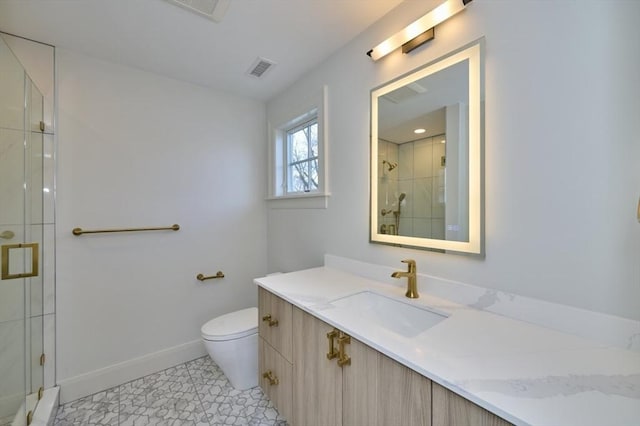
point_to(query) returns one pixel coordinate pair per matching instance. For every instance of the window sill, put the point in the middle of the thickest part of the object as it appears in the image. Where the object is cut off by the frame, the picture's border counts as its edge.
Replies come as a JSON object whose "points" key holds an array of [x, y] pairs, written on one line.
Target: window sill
{"points": [[316, 200]]}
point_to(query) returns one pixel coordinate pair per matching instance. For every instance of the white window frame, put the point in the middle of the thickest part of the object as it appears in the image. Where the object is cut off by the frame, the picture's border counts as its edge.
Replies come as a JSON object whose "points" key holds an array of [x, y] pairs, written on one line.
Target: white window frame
{"points": [[310, 120], [280, 122]]}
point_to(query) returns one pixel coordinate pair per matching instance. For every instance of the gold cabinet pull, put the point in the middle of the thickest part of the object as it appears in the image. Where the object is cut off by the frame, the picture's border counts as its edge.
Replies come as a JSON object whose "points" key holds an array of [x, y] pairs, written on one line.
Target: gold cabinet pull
{"points": [[343, 358], [333, 352], [272, 322], [273, 380]]}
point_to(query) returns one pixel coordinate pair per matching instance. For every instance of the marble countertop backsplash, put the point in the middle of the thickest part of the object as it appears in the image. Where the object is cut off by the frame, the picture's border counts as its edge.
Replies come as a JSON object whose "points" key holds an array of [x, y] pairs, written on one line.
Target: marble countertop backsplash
{"points": [[528, 361]]}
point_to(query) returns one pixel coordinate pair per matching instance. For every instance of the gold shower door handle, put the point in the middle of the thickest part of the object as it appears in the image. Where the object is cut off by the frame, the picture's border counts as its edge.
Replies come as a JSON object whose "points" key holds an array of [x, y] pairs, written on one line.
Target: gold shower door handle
{"points": [[6, 253]]}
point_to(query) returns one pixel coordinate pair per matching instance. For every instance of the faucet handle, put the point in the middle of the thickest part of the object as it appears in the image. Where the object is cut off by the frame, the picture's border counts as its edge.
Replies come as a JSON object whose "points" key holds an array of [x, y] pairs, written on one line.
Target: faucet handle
{"points": [[411, 263]]}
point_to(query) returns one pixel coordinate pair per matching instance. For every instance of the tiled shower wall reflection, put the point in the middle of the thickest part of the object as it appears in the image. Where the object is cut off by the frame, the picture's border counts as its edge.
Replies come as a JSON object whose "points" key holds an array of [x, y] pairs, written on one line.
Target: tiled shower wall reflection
{"points": [[420, 174]]}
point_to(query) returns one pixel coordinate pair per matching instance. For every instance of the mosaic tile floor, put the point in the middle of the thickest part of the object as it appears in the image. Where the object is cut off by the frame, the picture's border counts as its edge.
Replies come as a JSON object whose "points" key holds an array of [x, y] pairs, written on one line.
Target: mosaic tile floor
{"points": [[195, 393]]}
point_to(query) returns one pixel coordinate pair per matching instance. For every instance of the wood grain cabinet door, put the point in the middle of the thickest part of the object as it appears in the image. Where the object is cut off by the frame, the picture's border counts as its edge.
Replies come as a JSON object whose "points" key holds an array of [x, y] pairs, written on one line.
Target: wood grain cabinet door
{"points": [[404, 396], [380, 391], [275, 322], [452, 409], [317, 381], [360, 380], [276, 378]]}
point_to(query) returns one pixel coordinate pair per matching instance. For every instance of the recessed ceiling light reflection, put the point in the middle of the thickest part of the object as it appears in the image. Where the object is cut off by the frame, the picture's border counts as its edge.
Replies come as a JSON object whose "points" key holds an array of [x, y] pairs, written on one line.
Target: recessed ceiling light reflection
{"points": [[419, 131]]}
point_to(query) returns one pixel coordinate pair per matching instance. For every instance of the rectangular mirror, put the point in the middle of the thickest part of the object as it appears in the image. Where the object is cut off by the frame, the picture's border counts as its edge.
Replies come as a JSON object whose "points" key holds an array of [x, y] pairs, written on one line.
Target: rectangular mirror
{"points": [[426, 156]]}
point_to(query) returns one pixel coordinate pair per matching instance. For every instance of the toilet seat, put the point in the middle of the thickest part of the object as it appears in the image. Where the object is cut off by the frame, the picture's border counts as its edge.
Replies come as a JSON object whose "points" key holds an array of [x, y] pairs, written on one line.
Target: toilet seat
{"points": [[231, 326]]}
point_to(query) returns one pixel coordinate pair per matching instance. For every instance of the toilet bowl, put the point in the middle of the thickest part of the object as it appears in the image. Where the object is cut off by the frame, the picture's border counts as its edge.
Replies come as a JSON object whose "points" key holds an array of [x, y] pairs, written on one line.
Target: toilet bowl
{"points": [[232, 343]]}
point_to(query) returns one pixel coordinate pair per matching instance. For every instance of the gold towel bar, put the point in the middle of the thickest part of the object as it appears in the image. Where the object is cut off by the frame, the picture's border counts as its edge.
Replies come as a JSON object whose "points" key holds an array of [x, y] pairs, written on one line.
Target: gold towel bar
{"points": [[218, 274], [80, 231]]}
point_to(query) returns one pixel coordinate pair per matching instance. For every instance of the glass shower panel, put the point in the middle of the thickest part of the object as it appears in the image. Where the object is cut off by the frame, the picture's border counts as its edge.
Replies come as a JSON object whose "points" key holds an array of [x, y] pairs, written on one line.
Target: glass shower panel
{"points": [[22, 181], [35, 109], [34, 156], [11, 90], [13, 318]]}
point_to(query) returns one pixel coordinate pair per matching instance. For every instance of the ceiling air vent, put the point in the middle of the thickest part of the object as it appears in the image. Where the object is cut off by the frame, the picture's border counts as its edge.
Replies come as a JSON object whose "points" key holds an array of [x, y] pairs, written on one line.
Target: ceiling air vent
{"points": [[260, 67], [212, 9]]}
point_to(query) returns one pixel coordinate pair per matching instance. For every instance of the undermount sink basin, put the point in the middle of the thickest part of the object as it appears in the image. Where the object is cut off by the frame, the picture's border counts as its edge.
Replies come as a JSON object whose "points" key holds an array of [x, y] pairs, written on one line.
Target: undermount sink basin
{"points": [[390, 314]]}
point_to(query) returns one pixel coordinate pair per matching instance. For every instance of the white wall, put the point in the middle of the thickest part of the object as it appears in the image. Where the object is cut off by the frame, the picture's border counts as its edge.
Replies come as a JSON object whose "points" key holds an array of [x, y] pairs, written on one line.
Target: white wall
{"points": [[139, 150], [562, 157]]}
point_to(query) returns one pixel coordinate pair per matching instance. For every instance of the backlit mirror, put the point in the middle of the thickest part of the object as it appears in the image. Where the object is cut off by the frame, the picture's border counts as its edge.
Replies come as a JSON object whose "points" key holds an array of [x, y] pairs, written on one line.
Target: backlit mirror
{"points": [[426, 156]]}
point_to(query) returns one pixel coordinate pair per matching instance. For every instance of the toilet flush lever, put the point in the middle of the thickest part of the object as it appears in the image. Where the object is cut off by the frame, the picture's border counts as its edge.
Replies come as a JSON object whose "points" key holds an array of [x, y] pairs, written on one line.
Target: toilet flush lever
{"points": [[268, 319]]}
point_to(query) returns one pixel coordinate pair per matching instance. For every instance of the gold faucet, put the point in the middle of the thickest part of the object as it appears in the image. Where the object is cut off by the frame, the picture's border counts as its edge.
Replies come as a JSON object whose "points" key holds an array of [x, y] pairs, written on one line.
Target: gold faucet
{"points": [[412, 288]]}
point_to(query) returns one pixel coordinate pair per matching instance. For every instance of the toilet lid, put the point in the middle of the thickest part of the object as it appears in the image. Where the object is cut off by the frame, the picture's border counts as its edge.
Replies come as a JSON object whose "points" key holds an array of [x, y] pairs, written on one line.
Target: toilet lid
{"points": [[232, 325]]}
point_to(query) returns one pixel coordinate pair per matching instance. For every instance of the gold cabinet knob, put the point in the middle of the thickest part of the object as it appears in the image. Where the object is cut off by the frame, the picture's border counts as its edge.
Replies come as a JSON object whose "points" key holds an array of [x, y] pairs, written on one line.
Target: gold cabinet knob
{"points": [[270, 321], [273, 380]]}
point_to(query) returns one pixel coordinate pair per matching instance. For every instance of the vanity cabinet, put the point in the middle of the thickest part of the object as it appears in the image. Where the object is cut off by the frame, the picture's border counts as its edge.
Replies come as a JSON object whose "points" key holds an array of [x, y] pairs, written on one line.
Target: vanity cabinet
{"points": [[369, 388], [275, 378], [402, 396], [317, 381], [275, 370], [275, 322]]}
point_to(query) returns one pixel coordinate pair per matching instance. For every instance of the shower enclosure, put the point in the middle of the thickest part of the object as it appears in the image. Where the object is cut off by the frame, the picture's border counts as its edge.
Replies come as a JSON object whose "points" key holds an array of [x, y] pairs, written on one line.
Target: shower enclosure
{"points": [[27, 281]]}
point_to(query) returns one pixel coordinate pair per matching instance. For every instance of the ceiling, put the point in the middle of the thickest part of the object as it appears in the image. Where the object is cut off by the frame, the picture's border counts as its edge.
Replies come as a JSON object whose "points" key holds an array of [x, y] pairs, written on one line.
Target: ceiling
{"points": [[421, 103], [158, 36]]}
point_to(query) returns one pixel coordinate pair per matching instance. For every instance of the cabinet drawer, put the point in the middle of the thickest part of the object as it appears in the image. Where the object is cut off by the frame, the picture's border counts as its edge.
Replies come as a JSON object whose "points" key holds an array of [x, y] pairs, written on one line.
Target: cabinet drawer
{"points": [[279, 370], [275, 322]]}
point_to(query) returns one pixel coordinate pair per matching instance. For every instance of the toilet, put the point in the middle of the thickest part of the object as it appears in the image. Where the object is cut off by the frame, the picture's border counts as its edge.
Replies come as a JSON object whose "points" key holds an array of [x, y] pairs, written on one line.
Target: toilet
{"points": [[232, 343]]}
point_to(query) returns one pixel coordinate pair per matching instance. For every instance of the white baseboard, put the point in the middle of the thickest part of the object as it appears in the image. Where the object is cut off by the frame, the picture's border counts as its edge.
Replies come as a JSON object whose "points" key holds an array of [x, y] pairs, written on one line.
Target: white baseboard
{"points": [[98, 380]]}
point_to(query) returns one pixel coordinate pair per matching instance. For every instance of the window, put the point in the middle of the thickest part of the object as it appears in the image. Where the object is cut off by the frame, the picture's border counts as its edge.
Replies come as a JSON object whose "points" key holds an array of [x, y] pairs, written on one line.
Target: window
{"points": [[302, 157], [297, 147]]}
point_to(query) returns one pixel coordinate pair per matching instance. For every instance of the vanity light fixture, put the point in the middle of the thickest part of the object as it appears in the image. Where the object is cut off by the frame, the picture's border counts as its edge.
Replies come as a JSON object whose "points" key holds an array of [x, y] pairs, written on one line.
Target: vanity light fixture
{"points": [[418, 32]]}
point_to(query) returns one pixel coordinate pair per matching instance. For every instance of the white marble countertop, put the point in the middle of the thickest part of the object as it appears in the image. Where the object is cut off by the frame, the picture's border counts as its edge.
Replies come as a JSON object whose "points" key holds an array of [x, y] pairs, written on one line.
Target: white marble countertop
{"points": [[524, 373]]}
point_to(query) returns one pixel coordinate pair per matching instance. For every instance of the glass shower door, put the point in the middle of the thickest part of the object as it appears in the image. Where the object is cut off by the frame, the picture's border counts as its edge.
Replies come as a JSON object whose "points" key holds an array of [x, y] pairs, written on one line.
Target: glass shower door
{"points": [[21, 234]]}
